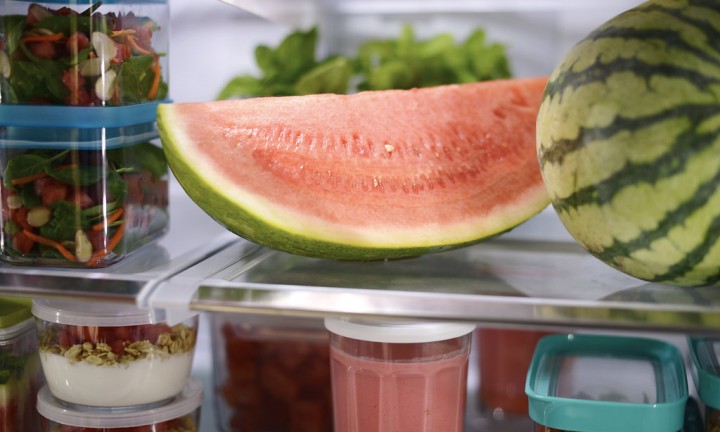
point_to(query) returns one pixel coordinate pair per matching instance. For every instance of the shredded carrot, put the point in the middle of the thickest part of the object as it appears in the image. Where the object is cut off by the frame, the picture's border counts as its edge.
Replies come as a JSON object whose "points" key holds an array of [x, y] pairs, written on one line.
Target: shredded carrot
{"points": [[138, 49], [31, 178], [55, 37], [112, 217], [114, 241], [125, 32], [52, 243], [156, 80]]}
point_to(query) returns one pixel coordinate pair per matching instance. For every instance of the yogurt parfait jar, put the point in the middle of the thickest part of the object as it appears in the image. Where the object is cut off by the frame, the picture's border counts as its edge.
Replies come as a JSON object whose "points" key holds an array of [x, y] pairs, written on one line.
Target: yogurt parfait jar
{"points": [[398, 375], [112, 355], [181, 414], [596, 383]]}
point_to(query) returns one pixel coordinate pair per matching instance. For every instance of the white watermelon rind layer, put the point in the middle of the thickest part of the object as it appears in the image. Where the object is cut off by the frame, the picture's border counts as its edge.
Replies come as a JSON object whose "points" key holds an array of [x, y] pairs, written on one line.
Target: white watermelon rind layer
{"points": [[261, 221]]}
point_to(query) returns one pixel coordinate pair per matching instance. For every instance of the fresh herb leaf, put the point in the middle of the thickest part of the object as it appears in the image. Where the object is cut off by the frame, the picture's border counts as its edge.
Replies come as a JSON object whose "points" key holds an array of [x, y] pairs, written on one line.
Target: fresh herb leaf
{"points": [[243, 85], [135, 78], [66, 219], [331, 76]]}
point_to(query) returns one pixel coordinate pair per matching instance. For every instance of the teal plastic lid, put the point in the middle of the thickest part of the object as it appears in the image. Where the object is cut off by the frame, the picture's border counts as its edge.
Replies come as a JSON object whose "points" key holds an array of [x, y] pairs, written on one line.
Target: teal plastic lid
{"points": [[593, 383], [705, 370]]}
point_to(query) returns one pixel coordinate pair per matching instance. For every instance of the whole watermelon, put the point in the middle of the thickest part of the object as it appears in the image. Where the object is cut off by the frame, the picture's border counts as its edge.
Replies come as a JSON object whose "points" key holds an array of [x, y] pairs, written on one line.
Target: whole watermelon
{"points": [[629, 142]]}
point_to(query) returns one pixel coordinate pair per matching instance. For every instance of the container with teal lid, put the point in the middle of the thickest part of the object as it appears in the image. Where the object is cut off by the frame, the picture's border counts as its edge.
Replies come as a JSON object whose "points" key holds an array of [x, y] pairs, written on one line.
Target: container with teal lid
{"points": [[20, 372], [84, 181], [705, 371], [596, 383]]}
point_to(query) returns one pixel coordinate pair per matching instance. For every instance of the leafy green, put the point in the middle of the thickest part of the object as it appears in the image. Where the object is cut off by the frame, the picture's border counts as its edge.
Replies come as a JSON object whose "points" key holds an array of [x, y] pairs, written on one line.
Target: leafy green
{"points": [[12, 26], [29, 197], [28, 164], [292, 69], [66, 219], [83, 176], [30, 79], [135, 78], [69, 24], [402, 62], [117, 188], [140, 157], [12, 367]]}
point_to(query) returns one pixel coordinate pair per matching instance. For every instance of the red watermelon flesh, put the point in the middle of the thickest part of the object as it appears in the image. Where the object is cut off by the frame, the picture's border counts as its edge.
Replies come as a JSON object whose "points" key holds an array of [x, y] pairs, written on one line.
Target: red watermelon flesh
{"points": [[372, 175]]}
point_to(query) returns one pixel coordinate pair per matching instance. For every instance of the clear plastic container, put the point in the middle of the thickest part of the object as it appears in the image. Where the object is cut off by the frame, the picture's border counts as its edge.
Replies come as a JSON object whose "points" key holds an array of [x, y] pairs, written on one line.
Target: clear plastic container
{"points": [[398, 376], [181, 414], [705, 370], [82, 53], [596, 383], [20, 373], [112, 355], [504, 357], [271, 373], [81, 205]]}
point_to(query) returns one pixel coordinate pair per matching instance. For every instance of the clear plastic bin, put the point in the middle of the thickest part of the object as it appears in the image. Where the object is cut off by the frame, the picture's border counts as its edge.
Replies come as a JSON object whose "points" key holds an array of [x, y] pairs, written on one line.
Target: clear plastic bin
{"points": [[21, 375], [81, 206], [112, 355], [181, 414], [593, 383], [82, 53], [705, 369], [271, 374]]}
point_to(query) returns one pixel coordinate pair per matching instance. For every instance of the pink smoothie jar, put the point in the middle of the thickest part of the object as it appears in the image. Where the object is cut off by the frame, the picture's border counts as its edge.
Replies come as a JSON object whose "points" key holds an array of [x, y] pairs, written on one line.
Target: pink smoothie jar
{"points": [[390, 375]]}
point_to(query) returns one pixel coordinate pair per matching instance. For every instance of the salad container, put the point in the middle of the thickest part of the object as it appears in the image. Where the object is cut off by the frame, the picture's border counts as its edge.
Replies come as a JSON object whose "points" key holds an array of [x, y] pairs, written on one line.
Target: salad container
{"points": [[112, 355], [21, 376], [705, 370], [271, 373], [181, 414], [81, 206], [595, 383], [399, 375], [81, 53]]}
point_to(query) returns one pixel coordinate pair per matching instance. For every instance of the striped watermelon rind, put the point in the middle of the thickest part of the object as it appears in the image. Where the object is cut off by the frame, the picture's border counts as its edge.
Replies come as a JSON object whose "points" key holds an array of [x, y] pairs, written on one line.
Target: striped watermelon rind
{"points": [[253, 213], [629, 142]]}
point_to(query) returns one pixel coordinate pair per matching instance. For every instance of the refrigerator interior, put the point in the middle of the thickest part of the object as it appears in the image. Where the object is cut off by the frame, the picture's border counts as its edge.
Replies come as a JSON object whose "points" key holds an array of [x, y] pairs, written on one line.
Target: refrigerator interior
{"points": [[213, 41]]}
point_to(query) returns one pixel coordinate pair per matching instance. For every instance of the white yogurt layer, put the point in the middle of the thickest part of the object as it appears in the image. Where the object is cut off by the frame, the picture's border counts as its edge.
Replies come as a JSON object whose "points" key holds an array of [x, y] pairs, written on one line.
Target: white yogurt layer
{"points": [[135, 383]]}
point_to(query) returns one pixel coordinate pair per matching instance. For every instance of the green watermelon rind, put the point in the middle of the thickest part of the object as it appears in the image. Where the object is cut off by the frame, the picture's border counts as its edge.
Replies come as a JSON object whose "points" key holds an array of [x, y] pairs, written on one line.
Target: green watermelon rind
{"points": [[628, 134], [218, 198]]}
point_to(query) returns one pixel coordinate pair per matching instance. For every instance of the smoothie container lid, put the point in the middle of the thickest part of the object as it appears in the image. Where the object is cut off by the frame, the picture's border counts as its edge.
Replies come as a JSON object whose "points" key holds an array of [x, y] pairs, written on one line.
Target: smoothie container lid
{"points": [[187, 402], [705, 368], [595, 383], [15, 318], [397, 331], [94, 313]]}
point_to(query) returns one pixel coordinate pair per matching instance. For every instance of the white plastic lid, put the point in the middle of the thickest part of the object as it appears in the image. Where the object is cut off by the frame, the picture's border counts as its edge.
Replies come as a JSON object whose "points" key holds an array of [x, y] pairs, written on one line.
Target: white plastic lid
{"points": [[92, 313], [185, 403], [397, 331]]}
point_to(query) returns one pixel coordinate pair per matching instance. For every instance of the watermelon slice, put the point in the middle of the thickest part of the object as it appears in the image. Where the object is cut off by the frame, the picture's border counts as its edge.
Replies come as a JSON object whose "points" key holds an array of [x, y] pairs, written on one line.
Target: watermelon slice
{"points": [[373, 175]]}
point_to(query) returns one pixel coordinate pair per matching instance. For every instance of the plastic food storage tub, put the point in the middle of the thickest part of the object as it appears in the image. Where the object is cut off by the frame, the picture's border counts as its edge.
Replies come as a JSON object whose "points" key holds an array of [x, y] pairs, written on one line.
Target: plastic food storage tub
{"points": [[112, 355], [705, 370], [81, 53], [271, 373], [82, 184], [181, 414], [21, 376], [594, 383], [399, 376]]}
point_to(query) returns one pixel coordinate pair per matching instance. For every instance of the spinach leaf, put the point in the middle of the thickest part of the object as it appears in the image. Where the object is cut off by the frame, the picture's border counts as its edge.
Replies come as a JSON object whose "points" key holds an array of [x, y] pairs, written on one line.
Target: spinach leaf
{"points": [[66, 219], [39, 79], [140, 157], [28, 196], [98, 211], [117, 188], [82, 176], [135, 78], [7, 94], [68, 24], [28, 164], [12, 27]]}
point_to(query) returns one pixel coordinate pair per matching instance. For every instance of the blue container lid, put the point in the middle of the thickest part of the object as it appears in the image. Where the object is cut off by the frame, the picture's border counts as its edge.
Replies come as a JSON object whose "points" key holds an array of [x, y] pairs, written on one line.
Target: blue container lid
{"points": [[593, 383], [705, 355]]}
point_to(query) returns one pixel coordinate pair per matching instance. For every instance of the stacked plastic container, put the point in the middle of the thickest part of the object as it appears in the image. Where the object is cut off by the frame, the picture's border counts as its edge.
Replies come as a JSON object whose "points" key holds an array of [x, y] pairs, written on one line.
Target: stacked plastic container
{"points": [[593, 383], [20, 373], [112, 366], [83, 183]]}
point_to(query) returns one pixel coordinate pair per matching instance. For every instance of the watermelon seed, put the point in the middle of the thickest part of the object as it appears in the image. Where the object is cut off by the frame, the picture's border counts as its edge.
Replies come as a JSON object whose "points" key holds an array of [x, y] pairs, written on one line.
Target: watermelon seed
{"points": [[389, 148]]}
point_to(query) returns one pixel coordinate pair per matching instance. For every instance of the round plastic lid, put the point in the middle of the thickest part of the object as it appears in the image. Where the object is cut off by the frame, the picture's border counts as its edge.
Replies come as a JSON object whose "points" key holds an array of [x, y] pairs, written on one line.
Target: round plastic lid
{"points": [[92, 313], [185, 403], [397, 331]]}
